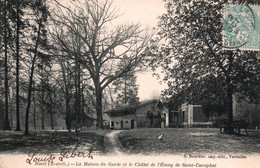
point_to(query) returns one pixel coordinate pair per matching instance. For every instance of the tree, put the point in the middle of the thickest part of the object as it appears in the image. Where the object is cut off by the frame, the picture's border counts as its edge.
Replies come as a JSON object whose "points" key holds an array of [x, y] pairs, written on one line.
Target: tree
{"points": [[202, 92], [87, 35], [43, 67], [71, 82], [78, 94], [12, 29], [192, 53], [5, 18], [126, 89], [40, 12], [51, 92], [66, 88], [9, 17], [18, 24]]}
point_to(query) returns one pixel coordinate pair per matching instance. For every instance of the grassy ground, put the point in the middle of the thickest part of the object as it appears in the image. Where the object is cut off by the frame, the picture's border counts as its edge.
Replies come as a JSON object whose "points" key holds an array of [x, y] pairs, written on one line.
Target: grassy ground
{"points": [[53, 142], [191, 140], [136, 141]]}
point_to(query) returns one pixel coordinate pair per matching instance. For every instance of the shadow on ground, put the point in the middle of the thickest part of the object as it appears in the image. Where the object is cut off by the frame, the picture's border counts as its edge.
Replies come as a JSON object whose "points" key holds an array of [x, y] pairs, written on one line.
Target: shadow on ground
{"points": [[188, 140], [54, 141]]}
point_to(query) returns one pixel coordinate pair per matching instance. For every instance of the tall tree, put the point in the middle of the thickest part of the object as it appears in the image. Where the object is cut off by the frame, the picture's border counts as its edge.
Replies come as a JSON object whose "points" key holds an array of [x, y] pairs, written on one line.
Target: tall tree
{"points": [[18, 23], [50, 100], [66, 88], [7, 124], [192, 52], [43, 67], [42, 78], [77, 91], [40, 12], [126, 89], [11, 39], [89, 26]]}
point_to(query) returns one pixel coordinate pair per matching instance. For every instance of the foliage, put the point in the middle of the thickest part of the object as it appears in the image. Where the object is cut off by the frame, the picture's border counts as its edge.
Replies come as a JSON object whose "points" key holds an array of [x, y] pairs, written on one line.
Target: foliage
{"points": [[192, 58], [126, 90], [218, 120]]}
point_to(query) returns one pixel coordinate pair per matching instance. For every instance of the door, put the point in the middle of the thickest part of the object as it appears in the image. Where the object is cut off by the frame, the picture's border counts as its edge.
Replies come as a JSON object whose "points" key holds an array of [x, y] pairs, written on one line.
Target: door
{"points": [[175, 117], [122, 124], [112, 125], [132, 124]]}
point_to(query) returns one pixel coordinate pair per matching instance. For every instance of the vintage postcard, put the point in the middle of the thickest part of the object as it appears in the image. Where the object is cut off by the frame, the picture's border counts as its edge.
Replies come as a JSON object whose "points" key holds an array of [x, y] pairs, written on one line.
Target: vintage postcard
{"points": [[129, 83]]}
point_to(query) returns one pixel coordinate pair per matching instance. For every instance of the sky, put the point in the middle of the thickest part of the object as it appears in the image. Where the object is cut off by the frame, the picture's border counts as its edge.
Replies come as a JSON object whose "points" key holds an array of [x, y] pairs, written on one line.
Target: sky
{"points": [[145, 12]]}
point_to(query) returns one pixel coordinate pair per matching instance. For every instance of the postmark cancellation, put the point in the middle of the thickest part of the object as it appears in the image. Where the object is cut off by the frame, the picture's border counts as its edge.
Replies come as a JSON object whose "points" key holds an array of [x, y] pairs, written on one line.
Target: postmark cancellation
{"points": [[241, 27]]}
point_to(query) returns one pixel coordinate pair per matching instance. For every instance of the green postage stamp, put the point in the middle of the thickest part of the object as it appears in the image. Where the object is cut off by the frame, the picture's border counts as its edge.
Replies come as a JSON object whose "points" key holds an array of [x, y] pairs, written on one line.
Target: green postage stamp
{"points": [[242, 27]]}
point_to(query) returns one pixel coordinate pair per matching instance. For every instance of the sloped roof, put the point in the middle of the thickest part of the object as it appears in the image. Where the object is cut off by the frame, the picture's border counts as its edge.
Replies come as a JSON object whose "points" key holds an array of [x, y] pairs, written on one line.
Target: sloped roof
{"points": [[143, 103], [94, 116], [127, 109], [123, 109]]}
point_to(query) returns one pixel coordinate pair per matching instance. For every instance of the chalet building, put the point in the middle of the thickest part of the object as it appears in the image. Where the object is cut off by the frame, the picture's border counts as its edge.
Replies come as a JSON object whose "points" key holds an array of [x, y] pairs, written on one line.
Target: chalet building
{"points": [[189, 115], [151, 113], [193, 115]]}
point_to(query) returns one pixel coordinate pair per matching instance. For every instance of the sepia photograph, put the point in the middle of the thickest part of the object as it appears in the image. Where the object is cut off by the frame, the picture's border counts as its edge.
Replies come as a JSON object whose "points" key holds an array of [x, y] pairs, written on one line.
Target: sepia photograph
{"points": [[130, 83]]}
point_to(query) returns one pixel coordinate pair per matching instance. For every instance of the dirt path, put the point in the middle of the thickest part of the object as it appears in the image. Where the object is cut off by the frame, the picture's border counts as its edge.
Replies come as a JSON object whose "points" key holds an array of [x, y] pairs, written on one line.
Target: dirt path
{"points": [[113, 138]]}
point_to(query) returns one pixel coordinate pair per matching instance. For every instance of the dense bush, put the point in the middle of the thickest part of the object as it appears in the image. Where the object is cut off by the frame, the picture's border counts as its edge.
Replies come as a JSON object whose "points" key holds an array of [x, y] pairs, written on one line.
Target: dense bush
{"points": [[218, 120]]}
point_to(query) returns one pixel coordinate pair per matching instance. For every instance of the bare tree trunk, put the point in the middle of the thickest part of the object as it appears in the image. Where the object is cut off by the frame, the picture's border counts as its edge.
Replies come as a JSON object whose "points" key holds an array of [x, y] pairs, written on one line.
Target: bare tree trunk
{"points": [[51, 115], [77, 89], [76, 99], [83, 103], [34, 111], [29, 95], [31, 81], [7, 123], [68, 117], [67, 98], [51, 108], [229, 106], [125, 90], [79, 92], [99, 107], [229, 92], [17, 67], [42, 98], [10, 110], [42, 109]]}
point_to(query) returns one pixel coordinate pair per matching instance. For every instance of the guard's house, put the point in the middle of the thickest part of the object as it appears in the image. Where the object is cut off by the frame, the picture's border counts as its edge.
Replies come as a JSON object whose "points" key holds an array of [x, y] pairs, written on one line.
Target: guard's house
{"points": [[151, 113]]}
